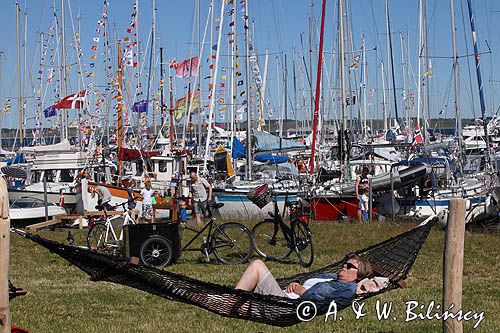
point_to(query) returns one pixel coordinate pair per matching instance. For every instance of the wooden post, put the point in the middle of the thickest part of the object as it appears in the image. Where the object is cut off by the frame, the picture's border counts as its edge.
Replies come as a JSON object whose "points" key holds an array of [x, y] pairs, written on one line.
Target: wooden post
{"points": [[392, 197], [46, 204], [4, 258], [370, 202], [454, 263]]}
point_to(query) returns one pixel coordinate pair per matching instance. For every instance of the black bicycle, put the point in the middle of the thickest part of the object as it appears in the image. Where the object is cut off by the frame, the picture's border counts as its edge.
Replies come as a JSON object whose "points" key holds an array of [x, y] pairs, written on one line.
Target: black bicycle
{"points": [[273, 238], [230, 242]]}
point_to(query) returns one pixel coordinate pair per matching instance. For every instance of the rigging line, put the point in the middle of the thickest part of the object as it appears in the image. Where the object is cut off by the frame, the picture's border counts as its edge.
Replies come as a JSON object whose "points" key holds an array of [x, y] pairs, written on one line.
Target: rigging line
{"points": [[276, 23], [35, 54], [458, 57], [351, 52], [446, 97]]}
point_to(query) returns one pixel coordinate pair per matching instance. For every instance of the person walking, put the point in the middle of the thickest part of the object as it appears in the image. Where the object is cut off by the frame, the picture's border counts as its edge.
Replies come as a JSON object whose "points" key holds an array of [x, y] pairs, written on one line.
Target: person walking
{"points": [[198, 194]]}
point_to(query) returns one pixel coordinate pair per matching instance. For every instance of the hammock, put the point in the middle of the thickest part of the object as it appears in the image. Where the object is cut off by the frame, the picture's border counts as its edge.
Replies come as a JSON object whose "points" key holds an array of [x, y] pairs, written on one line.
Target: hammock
{"points": [[392, 258]]}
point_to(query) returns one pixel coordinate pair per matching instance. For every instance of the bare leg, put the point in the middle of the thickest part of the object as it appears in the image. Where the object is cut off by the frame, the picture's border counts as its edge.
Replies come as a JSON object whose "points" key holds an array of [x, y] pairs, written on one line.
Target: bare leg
{"points": [[198, 218], [252, 275]]}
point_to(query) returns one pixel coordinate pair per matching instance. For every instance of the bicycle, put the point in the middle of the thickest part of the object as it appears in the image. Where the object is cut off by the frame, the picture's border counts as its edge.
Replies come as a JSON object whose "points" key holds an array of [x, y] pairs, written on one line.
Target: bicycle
{"points": [[230, 242], [273, 238], [102, 236]]}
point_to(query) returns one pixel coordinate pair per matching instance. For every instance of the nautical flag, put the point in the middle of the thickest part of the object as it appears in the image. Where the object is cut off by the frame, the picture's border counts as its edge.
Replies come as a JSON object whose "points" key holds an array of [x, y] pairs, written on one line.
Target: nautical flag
{"points": [[74, 101], [185, 68], [417, 138], [140, 107], [50, 111], [181, 105]]}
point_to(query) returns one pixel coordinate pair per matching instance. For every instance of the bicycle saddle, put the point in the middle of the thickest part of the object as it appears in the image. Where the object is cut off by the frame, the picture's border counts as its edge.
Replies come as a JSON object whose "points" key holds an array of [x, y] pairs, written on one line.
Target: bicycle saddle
{"points": [[99, 207], [215, 204]]}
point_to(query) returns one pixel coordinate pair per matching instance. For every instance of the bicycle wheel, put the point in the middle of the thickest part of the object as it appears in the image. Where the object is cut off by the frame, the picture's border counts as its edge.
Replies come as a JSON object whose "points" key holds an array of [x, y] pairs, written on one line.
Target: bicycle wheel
{"points": [[232, 243], [156, 251], [269, 240], [303, 243], [96, 238]]}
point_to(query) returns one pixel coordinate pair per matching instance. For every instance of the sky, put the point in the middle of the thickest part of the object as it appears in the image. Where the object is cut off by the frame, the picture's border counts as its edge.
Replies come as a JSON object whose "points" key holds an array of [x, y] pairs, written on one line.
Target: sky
{"points": [[280, 28]]}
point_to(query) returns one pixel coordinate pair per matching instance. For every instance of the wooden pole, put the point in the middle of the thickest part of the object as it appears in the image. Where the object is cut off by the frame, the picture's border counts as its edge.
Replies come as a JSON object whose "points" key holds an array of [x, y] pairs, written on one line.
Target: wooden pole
{"points": [[4, 258], [171, 128], [318, 88], [370, 203], [454, 263], [392, 197]]}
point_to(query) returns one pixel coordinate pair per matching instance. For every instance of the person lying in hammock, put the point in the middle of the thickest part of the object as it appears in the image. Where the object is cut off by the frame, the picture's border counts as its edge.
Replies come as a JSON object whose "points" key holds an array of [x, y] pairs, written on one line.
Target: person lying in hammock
{"points": [[321, 289]]}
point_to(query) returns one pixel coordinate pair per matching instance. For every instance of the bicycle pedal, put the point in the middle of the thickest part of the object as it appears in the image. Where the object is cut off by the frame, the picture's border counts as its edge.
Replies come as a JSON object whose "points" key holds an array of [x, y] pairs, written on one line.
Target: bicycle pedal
{"points": [[206, 256]]}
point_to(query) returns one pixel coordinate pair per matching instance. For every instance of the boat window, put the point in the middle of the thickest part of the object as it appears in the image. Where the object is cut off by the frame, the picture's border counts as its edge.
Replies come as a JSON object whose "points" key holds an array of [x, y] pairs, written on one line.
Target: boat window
{"points": [[22, 203], [51, 175], [36, 176], [139, 168], [37, 203], [149, 165], [162, 166], [66, 175]]}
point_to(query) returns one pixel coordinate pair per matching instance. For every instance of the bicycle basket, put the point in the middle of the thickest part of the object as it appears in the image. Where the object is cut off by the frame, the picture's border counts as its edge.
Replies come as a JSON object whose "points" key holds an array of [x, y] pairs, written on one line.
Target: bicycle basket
{"points": [[260, 196]]}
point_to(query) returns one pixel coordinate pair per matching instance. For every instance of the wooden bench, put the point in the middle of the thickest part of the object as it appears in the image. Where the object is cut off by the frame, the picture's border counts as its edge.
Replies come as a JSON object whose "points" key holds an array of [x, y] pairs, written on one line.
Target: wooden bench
{"points": [[64, 217]]}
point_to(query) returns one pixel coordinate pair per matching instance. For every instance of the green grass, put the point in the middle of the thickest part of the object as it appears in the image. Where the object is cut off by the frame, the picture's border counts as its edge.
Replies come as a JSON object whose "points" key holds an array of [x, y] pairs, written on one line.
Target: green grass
{"points": [[61, 298]]}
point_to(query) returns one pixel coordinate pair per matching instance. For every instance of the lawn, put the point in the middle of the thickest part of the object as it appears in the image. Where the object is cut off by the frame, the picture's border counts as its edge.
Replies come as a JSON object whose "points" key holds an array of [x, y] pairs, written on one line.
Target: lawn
{"points": [[61, 298]]}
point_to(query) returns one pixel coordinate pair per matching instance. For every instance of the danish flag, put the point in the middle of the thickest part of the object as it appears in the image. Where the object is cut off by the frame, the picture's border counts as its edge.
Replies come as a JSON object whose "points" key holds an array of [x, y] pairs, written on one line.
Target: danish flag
{"points": [[74, 101], [417, 138]]}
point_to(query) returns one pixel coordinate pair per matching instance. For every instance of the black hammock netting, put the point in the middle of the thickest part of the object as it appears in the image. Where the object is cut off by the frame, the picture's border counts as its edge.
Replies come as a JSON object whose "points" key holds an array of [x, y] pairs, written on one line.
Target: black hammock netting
{"points": [[392, 258]]}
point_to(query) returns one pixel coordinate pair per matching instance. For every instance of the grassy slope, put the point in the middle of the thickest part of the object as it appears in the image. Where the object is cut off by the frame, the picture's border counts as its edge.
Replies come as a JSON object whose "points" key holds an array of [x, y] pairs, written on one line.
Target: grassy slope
{"points": [[62, 299]]}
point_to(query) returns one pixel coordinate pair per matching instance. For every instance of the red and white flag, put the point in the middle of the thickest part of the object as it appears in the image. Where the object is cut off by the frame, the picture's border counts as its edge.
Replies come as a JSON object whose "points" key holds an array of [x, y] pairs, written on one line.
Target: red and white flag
{"points": [[185, 68], [74, 101], [417, 138]]}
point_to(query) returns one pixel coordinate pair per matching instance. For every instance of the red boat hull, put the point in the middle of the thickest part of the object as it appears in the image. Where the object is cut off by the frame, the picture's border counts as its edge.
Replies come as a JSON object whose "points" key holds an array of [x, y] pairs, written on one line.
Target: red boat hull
{"points": [[330, 208]]}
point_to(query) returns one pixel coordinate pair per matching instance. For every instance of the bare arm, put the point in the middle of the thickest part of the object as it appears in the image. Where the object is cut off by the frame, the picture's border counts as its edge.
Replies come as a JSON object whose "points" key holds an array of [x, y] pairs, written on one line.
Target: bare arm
{"points": [[356, 186], [209, 192]]}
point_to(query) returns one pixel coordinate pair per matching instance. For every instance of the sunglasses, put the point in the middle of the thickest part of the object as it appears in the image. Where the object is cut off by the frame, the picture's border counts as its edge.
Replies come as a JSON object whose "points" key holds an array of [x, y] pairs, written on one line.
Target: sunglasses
{"points": [[349, 265]]}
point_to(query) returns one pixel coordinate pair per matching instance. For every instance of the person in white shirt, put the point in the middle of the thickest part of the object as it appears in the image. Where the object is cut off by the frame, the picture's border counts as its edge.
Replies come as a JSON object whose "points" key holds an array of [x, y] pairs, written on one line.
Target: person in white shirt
{"points": [[147, 207], [198, 193]]}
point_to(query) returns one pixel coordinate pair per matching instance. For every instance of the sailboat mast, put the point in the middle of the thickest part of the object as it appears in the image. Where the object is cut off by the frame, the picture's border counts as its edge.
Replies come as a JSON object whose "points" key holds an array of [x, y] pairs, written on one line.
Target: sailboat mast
{"points": [[384, 104], [19, 92], [64, 113], [249, 114], [119, 128], [391, 52], [162, 89], [344, 165], [212, 98], [171, 130], [318, 86], [477, 58], [419, 75], [363, 85], [456, 82], [234, 86], [106, 64]]}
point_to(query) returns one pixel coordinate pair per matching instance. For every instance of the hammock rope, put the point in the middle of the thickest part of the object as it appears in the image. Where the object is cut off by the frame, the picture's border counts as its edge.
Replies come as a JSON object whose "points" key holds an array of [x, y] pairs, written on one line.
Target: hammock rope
{"points": [[392, 258]]}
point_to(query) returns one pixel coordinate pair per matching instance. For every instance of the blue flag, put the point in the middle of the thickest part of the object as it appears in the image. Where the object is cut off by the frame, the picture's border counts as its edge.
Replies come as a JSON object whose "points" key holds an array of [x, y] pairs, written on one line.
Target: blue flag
{"points": [[50, 111], [141, 107]]}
